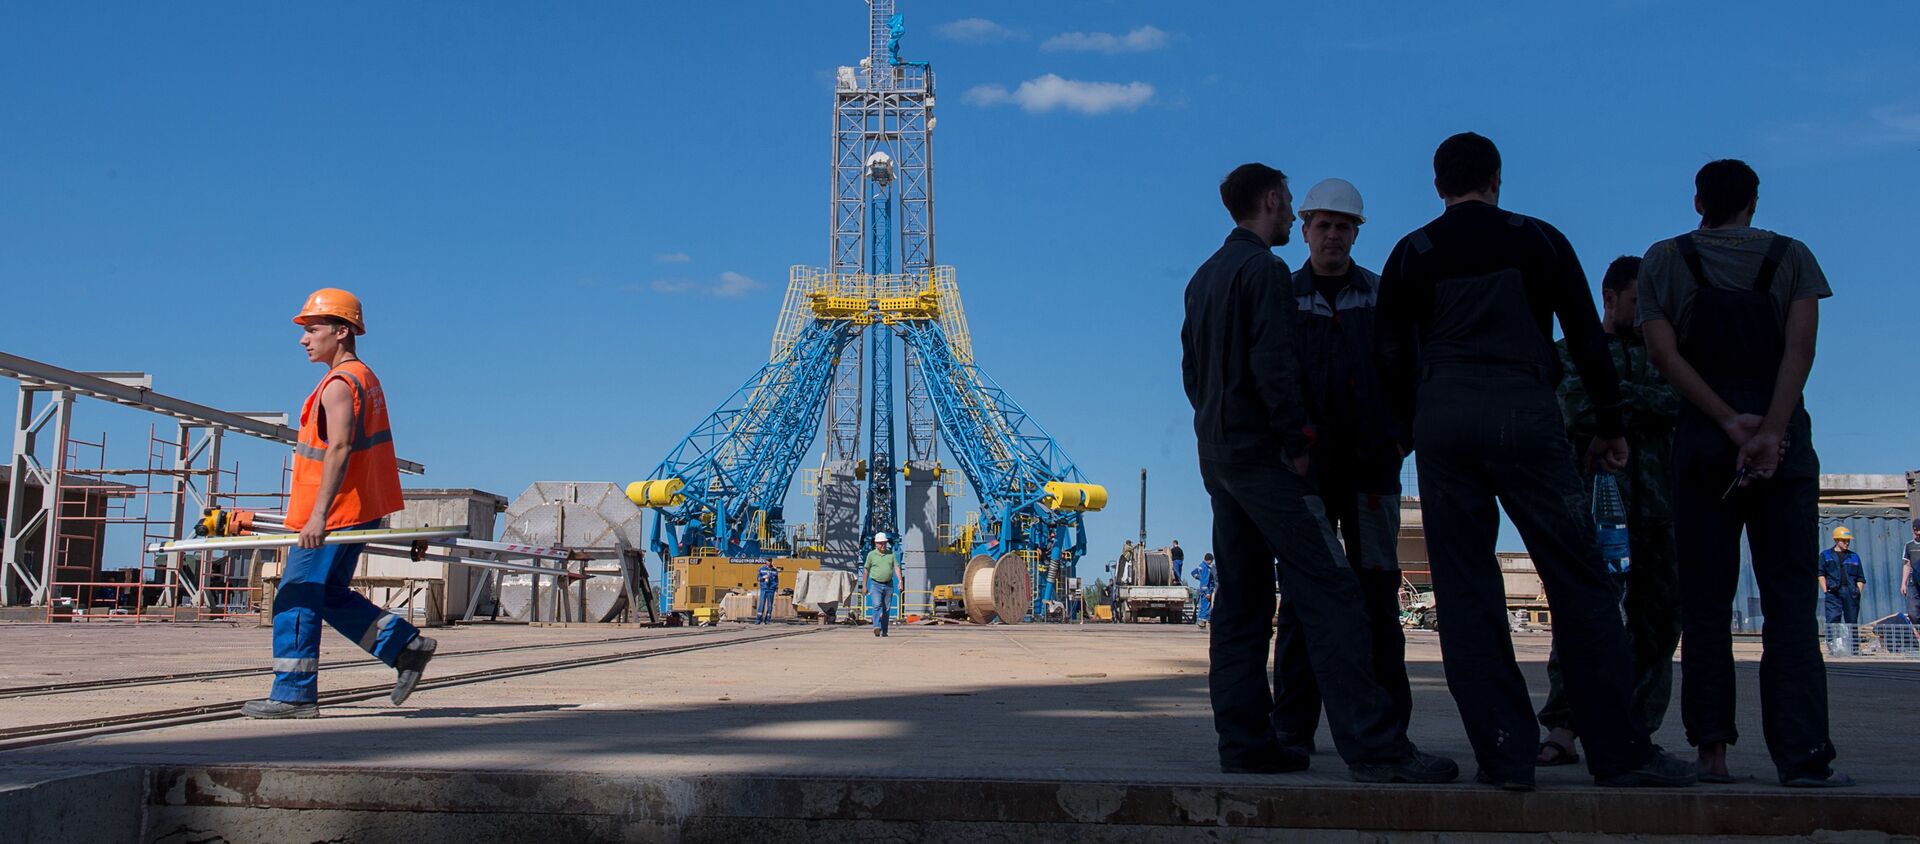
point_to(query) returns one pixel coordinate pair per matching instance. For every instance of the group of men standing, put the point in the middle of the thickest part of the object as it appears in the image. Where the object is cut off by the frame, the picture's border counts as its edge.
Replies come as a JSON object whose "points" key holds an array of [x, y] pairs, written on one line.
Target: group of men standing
{"points": [[1310, 388]]}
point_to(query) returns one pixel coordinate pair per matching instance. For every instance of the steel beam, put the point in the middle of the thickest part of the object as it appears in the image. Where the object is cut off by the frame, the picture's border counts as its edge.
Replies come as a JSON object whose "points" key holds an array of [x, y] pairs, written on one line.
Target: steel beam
{"points": [[265, 426]]}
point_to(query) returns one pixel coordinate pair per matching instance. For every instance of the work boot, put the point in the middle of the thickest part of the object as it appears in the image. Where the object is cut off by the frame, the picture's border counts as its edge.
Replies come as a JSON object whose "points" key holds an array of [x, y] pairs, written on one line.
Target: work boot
{"points": [[1661, 770], [411, 662], [1282, 761], [1417, 767], [279, 709], [1296, 743], [1503, 783]]}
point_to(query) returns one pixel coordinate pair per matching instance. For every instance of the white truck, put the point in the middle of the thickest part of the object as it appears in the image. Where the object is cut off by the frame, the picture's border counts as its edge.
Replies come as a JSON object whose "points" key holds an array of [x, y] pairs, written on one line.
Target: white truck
{"points": [[1144, 587]]}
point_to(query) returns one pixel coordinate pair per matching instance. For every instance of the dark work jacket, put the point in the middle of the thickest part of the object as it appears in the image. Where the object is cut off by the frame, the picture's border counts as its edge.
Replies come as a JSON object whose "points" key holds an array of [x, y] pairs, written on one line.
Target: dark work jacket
{"points": [[1842, 574], [1237, 359], [1354, 434]]}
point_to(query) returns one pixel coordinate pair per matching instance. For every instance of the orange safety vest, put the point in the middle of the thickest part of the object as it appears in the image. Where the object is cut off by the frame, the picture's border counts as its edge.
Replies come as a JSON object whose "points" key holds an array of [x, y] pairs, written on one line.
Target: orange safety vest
{"points": [[371, 488]]}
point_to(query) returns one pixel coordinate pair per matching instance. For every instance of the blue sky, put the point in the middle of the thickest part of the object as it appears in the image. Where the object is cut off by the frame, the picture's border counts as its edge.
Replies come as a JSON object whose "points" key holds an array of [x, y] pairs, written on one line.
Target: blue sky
{"points": [[572, 222]]}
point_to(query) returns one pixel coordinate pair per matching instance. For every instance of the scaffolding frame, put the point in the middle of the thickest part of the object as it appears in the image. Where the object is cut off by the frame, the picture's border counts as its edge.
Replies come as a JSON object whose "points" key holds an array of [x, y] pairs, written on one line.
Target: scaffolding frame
{"points": [[174, 464]]}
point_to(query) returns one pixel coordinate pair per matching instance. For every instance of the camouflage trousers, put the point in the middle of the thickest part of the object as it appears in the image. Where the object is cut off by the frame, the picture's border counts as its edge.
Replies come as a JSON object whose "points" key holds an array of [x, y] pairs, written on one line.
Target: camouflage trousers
{"points": [[1652, 610]]}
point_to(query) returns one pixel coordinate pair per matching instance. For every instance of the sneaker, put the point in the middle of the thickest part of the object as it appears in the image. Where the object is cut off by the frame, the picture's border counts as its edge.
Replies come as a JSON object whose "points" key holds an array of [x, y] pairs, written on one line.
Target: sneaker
{"points": [[1417, 767], [1484, 778], [1661, 770], [412, 661], [279, 709], [1281, 762]]}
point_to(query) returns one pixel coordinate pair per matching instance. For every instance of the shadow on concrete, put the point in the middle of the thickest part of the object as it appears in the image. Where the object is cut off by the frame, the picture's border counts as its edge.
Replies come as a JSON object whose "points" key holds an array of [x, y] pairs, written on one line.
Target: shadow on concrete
{"points": [[1079, 724]]}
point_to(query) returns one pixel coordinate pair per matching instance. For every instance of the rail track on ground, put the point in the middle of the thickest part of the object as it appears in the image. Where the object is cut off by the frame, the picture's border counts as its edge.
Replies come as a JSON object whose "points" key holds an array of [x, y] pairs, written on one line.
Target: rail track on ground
{"points": [[34, 735], [75, 686]]}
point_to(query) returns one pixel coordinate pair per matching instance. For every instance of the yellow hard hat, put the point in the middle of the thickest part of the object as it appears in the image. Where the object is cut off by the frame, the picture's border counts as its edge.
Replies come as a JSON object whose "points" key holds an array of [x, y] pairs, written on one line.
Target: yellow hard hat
{"points": [[332, 302], [1840, 533]]}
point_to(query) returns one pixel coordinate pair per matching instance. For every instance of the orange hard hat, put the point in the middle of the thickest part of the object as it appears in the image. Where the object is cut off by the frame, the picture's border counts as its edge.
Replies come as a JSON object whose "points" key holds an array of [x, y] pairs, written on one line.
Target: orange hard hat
{"points": [[1840, 533], [332, 302]]}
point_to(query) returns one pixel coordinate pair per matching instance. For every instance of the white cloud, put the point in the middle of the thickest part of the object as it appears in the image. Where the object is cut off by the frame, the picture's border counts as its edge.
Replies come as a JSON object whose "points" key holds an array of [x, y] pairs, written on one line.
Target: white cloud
{"points": [[672, 258], [1042, 94], [1145, 39], [729, 285], [1894, 124], [733, 285], [977, 31]]}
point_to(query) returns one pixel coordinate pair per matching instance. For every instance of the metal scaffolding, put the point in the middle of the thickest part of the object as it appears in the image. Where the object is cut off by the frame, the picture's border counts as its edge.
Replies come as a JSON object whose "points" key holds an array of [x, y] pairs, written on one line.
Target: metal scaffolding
{"points": [[70, 504]]}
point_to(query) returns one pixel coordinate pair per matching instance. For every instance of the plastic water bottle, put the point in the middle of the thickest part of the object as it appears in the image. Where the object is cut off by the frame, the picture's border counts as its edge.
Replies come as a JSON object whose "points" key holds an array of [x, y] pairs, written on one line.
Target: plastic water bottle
{"points": [[1610, 518]]}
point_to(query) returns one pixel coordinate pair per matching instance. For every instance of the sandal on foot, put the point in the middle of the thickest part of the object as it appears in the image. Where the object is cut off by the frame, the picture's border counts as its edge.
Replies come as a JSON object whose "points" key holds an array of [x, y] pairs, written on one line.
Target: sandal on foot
{"points": [[1712, 778], [1833, 780], [1561, 754]]}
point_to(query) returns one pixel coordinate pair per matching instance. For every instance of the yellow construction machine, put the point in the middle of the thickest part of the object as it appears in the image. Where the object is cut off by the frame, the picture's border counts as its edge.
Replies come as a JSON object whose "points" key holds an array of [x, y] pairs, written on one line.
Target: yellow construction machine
{"points": [[700, 582]]}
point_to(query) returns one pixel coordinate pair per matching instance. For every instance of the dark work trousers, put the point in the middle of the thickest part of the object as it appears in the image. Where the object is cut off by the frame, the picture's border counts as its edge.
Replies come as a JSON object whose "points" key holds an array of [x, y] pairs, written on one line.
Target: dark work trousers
{"points": [[1843, 605], [1263, 511], [1652, 609], [1369, 525], [1482, 434], [1781, 518]]}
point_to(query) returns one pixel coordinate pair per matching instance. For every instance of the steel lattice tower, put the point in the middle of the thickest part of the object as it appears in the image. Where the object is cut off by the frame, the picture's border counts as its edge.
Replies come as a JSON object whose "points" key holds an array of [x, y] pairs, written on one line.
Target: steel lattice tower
{"points": [[721, 490]]}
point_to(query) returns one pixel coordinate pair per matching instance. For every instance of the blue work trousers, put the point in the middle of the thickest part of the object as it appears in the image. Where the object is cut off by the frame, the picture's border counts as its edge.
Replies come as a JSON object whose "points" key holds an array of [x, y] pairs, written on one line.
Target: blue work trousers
{"points": [[1843, 606], [881, 593], [765, 613], [314, 589], [1204, 611]]}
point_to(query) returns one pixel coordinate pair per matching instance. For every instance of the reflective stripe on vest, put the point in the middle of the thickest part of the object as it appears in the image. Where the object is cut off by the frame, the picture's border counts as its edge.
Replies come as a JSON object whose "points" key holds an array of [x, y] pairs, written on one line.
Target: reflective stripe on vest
{"points": [[312, 453], [370, 486]]}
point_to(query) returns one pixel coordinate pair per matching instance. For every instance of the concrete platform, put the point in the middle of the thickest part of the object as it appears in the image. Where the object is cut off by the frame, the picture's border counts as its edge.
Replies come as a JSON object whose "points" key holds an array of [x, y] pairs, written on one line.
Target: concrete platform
{"points": [[936, 733]]}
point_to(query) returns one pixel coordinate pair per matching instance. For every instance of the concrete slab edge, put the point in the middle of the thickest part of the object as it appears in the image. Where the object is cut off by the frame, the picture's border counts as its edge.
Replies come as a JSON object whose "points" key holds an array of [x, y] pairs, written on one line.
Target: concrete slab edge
{"points": [[78, 803], [684, 802]]}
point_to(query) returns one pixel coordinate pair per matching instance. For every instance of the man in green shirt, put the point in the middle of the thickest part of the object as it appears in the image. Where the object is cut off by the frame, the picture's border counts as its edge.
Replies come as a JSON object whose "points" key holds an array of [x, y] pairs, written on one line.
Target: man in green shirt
{"points": [[883, 568]]}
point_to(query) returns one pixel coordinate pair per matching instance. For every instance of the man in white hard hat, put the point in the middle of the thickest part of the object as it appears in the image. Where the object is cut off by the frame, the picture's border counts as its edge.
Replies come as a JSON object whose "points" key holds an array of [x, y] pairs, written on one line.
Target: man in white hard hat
{"points": [[883, 572], [1250, 424], [1356, 456]]}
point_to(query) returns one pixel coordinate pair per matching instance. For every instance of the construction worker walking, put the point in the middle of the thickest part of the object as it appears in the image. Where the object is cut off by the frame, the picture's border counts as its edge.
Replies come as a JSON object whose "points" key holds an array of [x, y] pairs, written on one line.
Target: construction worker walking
{"points": [[1467, 306], [1203, 591], [769, 581], [1910, 576], [1652, 603], [883, 569], [1843, 582], [1356, 456], [1730, 313], [345, 477], [1242, 376]]}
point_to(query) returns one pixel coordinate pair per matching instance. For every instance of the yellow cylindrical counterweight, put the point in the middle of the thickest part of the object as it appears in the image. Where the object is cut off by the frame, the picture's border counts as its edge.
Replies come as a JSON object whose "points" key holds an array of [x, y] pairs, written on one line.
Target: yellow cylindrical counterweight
{"points": [[1064, 497], [657, 493]]}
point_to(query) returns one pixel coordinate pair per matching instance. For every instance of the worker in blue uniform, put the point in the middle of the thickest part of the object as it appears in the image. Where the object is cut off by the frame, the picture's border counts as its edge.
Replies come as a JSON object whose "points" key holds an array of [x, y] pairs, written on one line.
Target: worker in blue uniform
{"points": [[1203, 581], [1910, 575], [1842, 581], [769, 579]]}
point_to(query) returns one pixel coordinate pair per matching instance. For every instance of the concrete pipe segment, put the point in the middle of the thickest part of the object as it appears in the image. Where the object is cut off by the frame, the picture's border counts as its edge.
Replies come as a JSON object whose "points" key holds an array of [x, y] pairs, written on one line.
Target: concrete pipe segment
{"points": [[571, 514]]}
